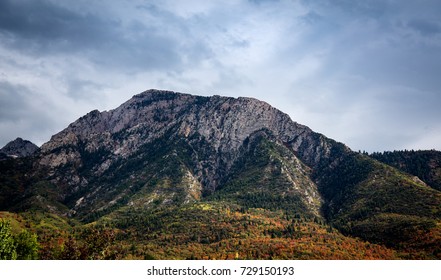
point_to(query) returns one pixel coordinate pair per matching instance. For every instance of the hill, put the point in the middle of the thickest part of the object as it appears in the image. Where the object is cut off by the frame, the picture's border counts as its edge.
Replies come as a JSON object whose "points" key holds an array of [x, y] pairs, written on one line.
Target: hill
{"points": [[426, 165]]}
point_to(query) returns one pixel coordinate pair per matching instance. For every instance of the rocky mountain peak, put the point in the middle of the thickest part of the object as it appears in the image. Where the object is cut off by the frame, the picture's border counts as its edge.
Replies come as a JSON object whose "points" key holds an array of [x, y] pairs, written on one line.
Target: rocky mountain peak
{"points": [[224, 122], [155, 94], [213, 132], [19, 148]]}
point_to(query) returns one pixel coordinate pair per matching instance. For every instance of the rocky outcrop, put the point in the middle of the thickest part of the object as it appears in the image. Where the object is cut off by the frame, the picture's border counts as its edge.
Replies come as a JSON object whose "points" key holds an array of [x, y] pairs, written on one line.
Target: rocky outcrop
{"points": [[19, 148]]}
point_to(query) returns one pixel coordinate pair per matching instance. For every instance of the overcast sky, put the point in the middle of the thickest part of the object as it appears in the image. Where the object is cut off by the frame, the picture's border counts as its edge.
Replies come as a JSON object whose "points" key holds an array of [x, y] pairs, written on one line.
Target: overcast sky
{"points": [[365, 73]]}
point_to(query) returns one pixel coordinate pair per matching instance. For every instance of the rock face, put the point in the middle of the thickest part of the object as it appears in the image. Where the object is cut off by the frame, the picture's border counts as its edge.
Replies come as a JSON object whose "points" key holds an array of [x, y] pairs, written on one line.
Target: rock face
{"points": [[224, 122], [19, 148], [212, 129]]}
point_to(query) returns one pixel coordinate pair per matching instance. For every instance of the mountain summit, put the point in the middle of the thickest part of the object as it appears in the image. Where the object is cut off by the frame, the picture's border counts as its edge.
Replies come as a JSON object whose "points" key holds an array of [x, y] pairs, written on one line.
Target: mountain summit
{"points": [[19, 148], [170, 163]]}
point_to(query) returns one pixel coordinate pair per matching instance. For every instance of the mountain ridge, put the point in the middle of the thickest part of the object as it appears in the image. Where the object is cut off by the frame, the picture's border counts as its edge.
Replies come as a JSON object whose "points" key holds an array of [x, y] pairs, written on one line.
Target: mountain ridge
{"points": [[426, 165], [162, 153], [136, 117]]}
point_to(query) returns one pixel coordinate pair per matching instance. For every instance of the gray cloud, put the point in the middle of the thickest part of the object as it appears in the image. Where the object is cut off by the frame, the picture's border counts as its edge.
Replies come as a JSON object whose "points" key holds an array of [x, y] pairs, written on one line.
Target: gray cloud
{"points": [[44, 28], [42, 25], [23, 114], [425, 27], [12, 102]]}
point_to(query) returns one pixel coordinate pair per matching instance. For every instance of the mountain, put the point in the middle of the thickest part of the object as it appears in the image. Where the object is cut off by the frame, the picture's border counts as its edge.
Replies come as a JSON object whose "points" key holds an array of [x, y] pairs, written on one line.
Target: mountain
{"points": [[198, 139], [19, 148], [426, 165], [175, 175]]}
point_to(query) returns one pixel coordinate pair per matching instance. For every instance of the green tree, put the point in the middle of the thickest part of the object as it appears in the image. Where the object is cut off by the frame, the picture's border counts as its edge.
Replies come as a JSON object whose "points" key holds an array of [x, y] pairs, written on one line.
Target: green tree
{"points": [[23, 246], [7, 244], [26, 245]]}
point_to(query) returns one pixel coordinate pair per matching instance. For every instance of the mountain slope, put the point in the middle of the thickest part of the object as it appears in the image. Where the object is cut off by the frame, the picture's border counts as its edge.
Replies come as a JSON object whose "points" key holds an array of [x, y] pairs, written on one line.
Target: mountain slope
{"points": [[268, 175], [143, 167], [426, 165]]}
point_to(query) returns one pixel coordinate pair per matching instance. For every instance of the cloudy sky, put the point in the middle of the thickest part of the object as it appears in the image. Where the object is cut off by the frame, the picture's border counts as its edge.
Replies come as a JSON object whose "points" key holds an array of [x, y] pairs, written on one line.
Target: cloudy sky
{"points": [[365, 73]]}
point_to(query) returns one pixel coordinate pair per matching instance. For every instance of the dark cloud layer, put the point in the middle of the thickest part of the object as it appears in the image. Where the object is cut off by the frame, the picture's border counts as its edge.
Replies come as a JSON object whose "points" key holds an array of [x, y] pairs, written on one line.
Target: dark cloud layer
{"points": [[45, 28], [22, 114], [362, 72]]}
